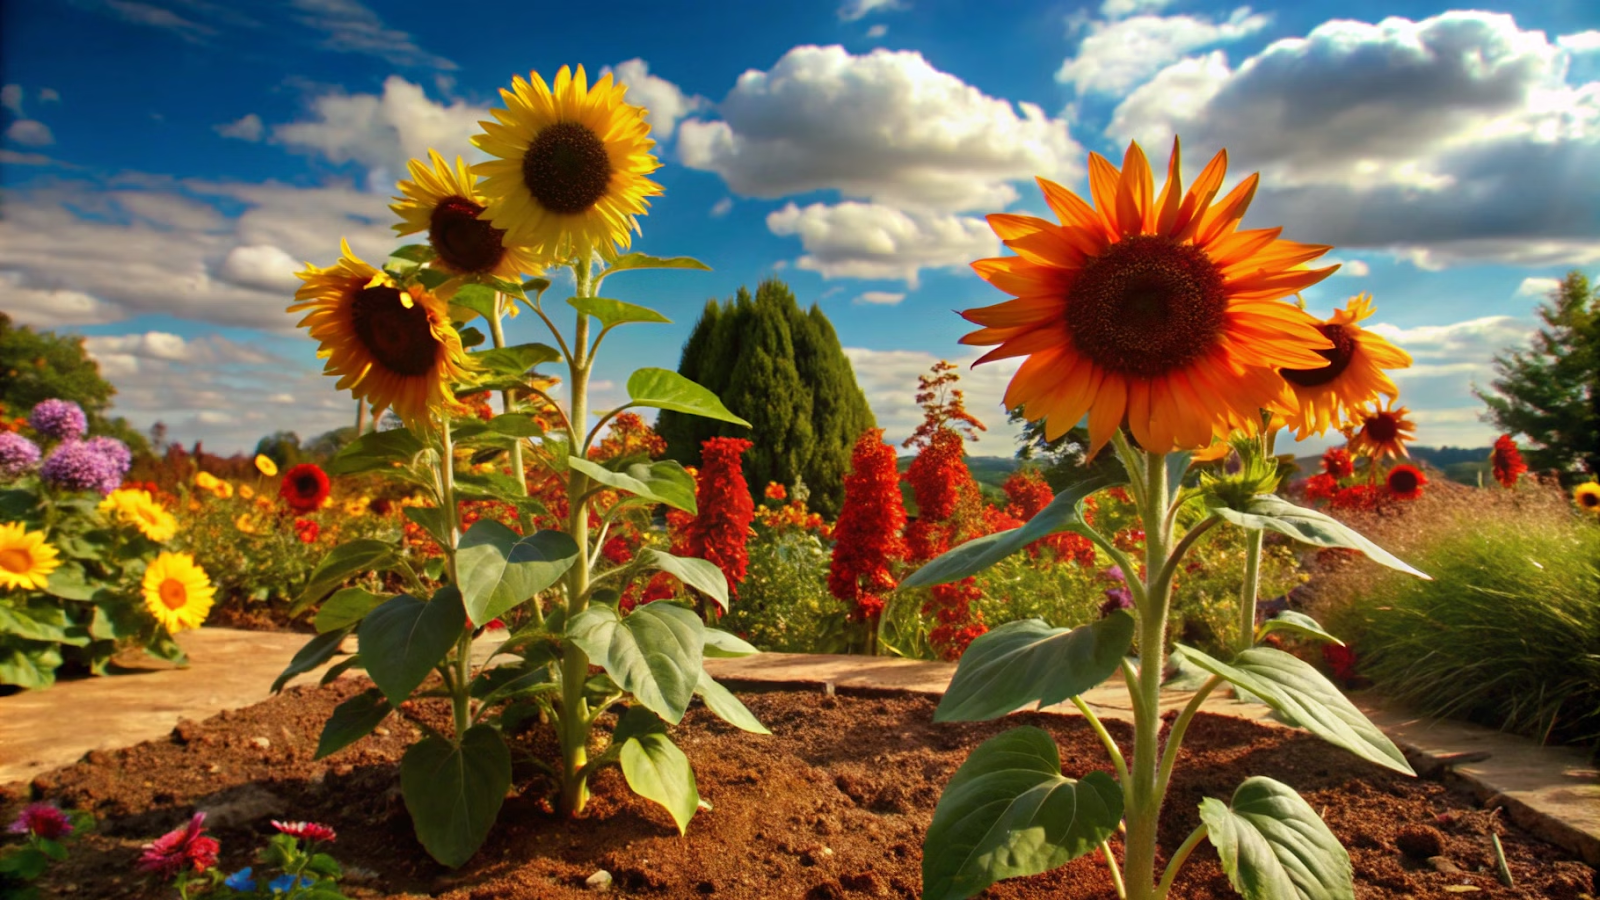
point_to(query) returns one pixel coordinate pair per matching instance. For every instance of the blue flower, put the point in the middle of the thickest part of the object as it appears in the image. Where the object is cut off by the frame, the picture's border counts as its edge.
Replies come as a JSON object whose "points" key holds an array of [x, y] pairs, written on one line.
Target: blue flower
{"points": [[283, 884], [241, 881]]}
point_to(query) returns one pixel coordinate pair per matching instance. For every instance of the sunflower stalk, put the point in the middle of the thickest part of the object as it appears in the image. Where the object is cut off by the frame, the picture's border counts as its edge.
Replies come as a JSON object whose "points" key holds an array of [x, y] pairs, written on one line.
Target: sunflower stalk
{"points": [[575, 719], [460, 685]]}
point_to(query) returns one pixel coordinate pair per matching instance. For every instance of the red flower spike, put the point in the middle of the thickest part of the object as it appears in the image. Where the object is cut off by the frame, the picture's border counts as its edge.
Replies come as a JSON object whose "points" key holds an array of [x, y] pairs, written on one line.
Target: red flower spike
{"points": [[867, 535], [721, 527], [1506, 461]]}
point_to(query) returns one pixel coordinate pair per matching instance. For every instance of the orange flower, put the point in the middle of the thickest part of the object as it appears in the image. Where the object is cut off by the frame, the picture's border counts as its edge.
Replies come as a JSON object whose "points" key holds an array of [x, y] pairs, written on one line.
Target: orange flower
{"points": [[1351, 376], [1381, 432]]}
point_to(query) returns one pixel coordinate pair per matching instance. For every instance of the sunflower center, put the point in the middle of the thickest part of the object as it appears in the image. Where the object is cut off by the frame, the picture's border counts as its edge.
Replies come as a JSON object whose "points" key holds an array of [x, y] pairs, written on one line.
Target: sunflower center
{"points": [[1382, 428], [566, 168], [14, 560], [463, 241], [306, 486], [400, 338], [173, 594], [1589, 499], [1338, 357], [1403, 481], [1147, 306]]}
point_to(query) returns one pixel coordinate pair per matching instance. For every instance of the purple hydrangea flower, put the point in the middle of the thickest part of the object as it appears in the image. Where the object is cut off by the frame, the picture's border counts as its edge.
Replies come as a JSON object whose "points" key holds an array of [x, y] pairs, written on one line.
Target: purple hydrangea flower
{"points": [[76, 466], [17, 455], [1116, 598], [117, 452], [61, 420]]}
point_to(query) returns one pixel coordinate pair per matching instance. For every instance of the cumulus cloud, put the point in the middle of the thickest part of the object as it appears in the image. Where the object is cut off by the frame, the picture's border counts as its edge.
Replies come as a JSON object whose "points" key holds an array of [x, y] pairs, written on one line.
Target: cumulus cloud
{"points": [[247, 128], [867, 240], [1348, 268], [857, 9], [881, 298], [1537, 287], [889, 380], [877, 31], [1449, 361], [721, 207], [1453, 139], [666, 102], [11, 98], [350, 27], [886, 126], [261, 265], [1582, 42], [1117, 55], [30, 132], [1116, 9], [383, 132]]}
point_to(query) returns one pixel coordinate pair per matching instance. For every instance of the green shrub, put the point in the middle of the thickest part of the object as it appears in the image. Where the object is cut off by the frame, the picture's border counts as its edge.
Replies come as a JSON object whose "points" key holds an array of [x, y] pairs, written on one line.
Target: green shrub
{"points": [[783, 603]]}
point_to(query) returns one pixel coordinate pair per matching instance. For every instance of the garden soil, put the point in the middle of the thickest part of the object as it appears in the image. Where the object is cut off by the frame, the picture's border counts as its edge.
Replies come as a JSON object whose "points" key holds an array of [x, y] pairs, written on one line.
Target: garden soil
{"points": [[832, 805]]}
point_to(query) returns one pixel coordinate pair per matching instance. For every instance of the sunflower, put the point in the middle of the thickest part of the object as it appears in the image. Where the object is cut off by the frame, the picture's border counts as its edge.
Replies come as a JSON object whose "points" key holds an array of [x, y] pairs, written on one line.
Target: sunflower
{"points": [[265, 465], [394, 347], [1586, 495], [304, 488], [1148, 310], [569, 174], [206, 481], [445, 202], [1351, 376], [26, 561], [1405, 482], [139, 509], [1381, 431], [177, 592]]}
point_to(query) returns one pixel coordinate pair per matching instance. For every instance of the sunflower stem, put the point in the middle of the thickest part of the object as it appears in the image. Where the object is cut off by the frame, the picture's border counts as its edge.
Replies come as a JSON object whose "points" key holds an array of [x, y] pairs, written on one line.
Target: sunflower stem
{"points": [[460, 701], [575, 718], [508, 405]]}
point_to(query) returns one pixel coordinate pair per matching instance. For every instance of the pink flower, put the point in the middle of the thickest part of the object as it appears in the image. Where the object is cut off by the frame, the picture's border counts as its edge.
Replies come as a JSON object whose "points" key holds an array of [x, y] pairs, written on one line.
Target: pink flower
{"points": [[309, 831], [179, 849], [42, 820]]}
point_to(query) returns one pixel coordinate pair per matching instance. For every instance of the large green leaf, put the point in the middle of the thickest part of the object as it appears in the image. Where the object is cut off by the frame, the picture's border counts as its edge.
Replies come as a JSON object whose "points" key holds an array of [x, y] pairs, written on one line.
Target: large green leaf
{"points": [[700, 574], [40, 620], [658, 482], [352, 720], [1274, 846], [727, 707], [454, 793], [634, 261], [417, 253], [1302, 696], [317, 651], [16, 504], [515, 361], [345, 608], [376, 451], [1064, 513], [516, 425], [612, 313], [1298, 623], [654, 652], [69, 582], [1308, 526], [402, 640], [1027, 661], [341, 563], [1009, 812], [28, 664], [501, 569], [434, 520], [654, 766], [477, 297], [666, 389], [725, 645]]}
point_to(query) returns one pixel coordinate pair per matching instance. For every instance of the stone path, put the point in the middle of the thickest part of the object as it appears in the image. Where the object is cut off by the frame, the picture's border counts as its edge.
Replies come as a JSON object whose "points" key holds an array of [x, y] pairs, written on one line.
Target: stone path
{"points": [[1553, 792]]}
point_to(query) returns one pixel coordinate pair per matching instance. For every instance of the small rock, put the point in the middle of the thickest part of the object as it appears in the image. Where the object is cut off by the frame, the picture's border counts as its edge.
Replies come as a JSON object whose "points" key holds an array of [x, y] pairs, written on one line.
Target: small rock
{"points": [[599, 881], [97, 758], [1444, 866], [359, 875], [186, 732], [246, 804], [381, 731], [214, 769], [261, 742]]}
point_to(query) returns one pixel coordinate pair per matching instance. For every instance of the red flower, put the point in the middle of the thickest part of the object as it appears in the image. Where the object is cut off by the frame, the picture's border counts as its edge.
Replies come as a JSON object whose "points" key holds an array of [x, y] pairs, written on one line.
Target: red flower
{"points": [[1321, 486], [938, 475], [1405, 482], [1359, 496], [42, 820], [775, 491], [307, 831], [867, 536], [181, 848], [722, 525], [304, 488], [1506, 461], [1341, 661], [1337, 463], [307, 530]]}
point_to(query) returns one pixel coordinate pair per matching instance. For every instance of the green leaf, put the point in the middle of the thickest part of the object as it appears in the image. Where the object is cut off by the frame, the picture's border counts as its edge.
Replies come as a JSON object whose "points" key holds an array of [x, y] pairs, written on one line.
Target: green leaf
{"points": [[723, 645], [700, 574], [32, 666], [477, 297], [1027, 661], [635, 261], [515, 425], [417, 253], [16, 504], [342, 563], [536, 286], [471, 337], [1177, 467], [454, 793], [1064, 513], [537, 680], [317, 651], [353, 661], [612, 313], [1302, 696], [515, 361], [654, 766], [70, 583], [376, 451], [666, 389], [657, 482], [1298, 623], [500, 569], [40, 621], [346, 608], [434, 520], [727, 707], [1308, 526], [402, 640], [1274, 846], [1009, 812], [654, 653], [25, 863], [352, 720]]}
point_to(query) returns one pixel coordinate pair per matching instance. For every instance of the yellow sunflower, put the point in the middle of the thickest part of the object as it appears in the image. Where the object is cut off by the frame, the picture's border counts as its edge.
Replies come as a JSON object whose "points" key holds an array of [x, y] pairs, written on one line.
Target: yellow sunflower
{"points": [[245, 524], [568, 177], [266, 466], [1381, 431], [445, 202], [26, 561], [394, 347], [1586, 495], [139, 509], [206, 481], [177, 592], [1149, 310], [1352, 376], [247, 492]]}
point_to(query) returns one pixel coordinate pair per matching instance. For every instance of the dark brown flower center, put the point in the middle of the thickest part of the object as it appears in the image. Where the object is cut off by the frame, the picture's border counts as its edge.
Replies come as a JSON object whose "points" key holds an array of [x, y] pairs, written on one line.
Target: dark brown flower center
{"points": [[1403, 481], [1147, 306], [1338, 357], [1589, 499], [566, 168], [1382, 428], [400, 338], [463, 241], [306, 486]]}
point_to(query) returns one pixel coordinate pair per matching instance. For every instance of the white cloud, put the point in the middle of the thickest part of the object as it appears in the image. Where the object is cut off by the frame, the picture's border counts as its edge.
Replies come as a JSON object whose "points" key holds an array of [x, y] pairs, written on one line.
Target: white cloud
{"points": [[1537, 287], [350, 27], [856, 9], [261, 265], [865, 240], [11, 98], [13, 158], [1582, 42], [49, 95], [160, 17], [30, 132], [1118, 55], [877, 31], [1116, 9], [1348, 268], [889, 380], [667, 104], [721, 207], [881, 298], [50, 307], [383, 133], [885, 126], [247, 128], [1449, 360]]}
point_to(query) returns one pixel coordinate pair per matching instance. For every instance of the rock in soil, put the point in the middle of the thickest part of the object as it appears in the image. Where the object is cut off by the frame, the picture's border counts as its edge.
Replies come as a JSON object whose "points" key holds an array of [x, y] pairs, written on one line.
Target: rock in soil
{"points": [[833, 804]]}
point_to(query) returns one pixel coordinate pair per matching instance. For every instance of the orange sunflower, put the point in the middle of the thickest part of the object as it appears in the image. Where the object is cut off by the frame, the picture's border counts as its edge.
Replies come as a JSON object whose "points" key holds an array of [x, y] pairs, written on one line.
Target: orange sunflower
{"points": [[1148, 310], [1381, 431], [394, 347], [1351, 375]]}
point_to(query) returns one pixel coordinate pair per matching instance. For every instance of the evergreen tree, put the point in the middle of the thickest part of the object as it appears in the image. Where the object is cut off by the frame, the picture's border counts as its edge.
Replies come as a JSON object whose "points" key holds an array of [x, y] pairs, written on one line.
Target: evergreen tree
{"points": [[1551, 392], [839, 410]]}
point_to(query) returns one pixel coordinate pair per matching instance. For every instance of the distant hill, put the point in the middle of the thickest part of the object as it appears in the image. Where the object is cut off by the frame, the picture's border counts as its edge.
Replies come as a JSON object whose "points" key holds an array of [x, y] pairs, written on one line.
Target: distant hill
{"points": [[1461, 464]]}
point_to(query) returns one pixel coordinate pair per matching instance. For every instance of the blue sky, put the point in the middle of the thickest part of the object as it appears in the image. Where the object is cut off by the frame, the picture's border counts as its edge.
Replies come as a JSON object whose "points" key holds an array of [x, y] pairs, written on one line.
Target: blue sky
{"points": [[166, 165]]}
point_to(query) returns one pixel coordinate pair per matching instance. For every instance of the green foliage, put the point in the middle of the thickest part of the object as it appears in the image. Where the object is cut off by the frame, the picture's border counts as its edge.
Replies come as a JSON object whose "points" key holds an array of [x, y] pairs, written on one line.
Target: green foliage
{"points": [[1551, 392], [784, 371], [1274, 846], [784, 604], [1027, 662], [40, 365]]}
